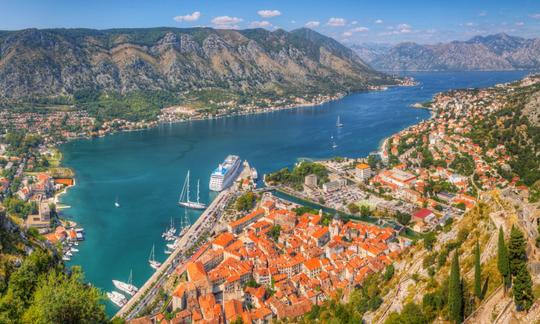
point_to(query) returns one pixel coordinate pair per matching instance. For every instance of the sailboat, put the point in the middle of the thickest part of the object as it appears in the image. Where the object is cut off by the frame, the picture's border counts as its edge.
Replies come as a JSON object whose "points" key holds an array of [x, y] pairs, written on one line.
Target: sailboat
{"points": [[185, 194], [116, 203], [126, 287], [152, 260], [338, 122], [169, 232]]}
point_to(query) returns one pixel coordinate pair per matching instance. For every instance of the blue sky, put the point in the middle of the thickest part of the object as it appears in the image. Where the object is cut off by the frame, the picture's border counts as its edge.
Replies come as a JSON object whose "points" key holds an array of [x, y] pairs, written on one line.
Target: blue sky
{"points": [[350, 21]]}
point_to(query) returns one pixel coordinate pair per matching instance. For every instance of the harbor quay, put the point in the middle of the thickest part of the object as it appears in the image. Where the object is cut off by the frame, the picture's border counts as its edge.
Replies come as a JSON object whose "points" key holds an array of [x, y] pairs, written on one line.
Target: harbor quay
{"points": [[177, 258], [149, 290]]}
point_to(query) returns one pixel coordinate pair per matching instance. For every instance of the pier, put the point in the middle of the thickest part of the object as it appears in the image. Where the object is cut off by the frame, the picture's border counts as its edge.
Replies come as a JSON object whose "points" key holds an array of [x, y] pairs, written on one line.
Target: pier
{"points": [[149, 290]]}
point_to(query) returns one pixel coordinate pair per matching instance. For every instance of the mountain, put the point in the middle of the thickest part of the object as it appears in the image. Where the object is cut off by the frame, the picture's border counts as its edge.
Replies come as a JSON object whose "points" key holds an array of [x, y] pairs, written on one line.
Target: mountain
{"points": [[369, 51], [483, 53], [61, 64]]}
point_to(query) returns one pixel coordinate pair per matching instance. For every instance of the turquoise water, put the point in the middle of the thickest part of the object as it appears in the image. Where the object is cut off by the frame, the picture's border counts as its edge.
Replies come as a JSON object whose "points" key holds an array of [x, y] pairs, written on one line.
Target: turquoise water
{"points": [[146, 169]]}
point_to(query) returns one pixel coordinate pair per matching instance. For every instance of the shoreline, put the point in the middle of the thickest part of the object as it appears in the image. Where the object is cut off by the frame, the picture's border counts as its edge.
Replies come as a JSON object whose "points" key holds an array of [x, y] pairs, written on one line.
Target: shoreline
{"points": [[254, 111]]}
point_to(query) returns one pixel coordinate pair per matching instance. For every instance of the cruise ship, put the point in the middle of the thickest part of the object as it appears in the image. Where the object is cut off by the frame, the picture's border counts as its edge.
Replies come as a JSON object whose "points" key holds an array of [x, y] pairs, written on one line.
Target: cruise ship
{"points": [[225, 173]]}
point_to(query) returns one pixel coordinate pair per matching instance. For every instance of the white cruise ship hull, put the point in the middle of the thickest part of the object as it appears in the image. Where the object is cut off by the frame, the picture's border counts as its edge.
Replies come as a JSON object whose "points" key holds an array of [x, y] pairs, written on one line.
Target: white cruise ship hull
{"points": [[225, 174]]}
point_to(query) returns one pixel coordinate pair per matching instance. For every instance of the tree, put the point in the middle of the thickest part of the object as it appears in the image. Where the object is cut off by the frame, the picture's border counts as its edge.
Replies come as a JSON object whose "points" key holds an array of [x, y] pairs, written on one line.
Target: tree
{"points": [[365, 211], [455, 297], [477, 272], [516, 250], [411, 314], [373, 161], [245, 202], [429, 240], [522, 289], [353, 208], [60, 298], [502, 260], [274, 232], [389, 272], [403, 218]]}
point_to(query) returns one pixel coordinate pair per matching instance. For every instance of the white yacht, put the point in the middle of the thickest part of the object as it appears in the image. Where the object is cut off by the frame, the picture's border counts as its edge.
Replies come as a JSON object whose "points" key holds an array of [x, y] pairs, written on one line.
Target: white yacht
{"points": [[116, 203], [254, 174], [117, 298], [225, 173], [126, 287], [152, 260], [169, 232], [185, 199], [338, 122]]}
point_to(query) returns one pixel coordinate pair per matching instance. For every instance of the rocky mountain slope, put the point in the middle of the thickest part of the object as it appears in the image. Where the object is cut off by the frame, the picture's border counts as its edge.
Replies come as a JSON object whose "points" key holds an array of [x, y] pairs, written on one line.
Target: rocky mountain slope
{"points": [[483, 53], [37, 65]]}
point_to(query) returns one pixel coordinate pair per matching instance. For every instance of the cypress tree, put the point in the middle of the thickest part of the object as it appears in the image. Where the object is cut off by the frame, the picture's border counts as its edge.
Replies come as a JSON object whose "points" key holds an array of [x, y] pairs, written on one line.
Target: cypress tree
{"points": [[522, 289], [516, 250], [502, 260], [477, 273], [455, 296]]}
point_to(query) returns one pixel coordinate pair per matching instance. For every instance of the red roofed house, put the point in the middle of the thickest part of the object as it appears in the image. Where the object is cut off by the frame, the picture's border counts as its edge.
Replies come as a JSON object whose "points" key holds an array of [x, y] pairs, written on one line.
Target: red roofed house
{"points": [[423, 215]]}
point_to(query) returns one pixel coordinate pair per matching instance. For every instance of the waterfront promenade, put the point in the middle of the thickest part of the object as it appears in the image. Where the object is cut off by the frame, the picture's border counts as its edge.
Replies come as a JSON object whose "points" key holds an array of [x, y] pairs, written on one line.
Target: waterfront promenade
{"points": [[148, 291]]}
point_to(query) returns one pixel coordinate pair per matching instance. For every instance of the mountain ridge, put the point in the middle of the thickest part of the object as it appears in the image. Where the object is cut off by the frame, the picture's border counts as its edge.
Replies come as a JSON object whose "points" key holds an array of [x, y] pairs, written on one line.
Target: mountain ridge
{"points": [[480, 53], [40, 64]]}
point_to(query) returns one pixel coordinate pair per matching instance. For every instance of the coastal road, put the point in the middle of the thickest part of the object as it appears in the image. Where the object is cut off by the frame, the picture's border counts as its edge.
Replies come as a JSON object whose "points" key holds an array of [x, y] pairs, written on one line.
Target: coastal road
{"points": [[149, 290]]}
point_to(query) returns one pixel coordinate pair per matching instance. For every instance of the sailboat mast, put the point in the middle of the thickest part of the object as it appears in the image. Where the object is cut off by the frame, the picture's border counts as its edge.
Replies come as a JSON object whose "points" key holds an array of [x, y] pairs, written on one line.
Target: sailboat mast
{"points": [[130, 279], [198, 182], [187, 186]]}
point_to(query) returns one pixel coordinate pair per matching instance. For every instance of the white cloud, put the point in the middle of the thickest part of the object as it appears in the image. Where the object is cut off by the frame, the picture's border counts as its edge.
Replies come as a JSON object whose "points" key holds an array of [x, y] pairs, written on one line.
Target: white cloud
{"points": [[482, 13], [354, 22], [350, 32], [469, 24], [190, 17], [520, 23], [535, 16], [269, 13], [260, 24], [404, 28], [359, 30], [226, 22], [379, 21], [336, 22], [312, 24]]}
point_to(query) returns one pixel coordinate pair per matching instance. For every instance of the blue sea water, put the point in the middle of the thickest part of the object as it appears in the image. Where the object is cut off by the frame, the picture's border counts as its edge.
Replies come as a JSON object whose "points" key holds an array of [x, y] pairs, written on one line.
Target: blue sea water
{"points": [[145, 170]]}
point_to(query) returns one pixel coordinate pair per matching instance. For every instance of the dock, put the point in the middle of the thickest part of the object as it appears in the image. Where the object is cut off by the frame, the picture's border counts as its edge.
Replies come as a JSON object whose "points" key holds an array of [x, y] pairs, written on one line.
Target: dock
{"points": [[149, 290]]}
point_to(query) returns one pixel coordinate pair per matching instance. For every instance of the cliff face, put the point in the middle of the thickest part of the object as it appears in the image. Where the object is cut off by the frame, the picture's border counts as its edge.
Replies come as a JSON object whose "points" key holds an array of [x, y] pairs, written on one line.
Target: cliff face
{"points": [[494, 52], [60, 62]]}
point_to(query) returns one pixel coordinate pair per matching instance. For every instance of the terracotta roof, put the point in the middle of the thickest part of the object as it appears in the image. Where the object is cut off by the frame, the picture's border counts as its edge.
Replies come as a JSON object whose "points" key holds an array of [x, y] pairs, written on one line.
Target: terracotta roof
{"points": [[233, 309], [362, 166], [195, 271], [224, 239]]}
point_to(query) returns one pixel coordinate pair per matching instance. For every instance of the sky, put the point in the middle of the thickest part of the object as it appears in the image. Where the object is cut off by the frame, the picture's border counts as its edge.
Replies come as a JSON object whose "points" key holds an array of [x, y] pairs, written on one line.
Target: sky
{"points": [[349, 21]]}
